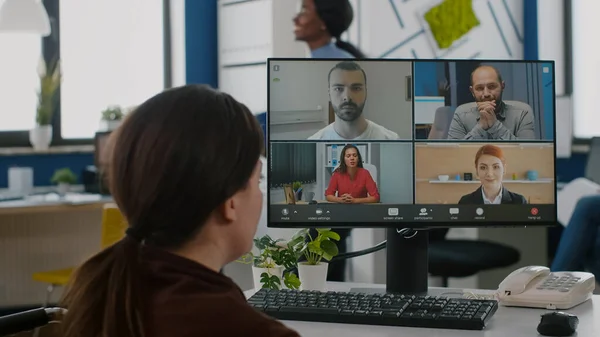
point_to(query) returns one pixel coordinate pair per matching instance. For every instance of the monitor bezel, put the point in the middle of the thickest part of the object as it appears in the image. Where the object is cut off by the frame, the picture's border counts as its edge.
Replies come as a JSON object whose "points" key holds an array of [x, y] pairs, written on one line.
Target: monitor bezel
{"points": [[411, 225]]}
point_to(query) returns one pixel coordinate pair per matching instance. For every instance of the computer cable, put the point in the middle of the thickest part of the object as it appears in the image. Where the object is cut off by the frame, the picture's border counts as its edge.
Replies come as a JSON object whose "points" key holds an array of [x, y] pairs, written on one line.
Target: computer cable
{"points": [[407, 232]]}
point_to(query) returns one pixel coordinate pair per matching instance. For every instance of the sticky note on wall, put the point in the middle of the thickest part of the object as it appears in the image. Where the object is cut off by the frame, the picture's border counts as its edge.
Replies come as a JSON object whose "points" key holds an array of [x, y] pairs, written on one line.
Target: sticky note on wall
{"points": [[451, 20]]}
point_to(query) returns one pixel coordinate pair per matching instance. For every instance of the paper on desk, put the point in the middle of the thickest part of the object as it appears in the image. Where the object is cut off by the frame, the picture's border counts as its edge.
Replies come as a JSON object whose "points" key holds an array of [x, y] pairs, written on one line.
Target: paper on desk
{"points": [[568, 197], [69, 198]]}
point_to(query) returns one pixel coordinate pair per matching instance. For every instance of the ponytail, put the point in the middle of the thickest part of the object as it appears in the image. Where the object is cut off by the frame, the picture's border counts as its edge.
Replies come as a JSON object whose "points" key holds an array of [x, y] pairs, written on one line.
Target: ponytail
{"points": [[104, 296], [354, 51]]}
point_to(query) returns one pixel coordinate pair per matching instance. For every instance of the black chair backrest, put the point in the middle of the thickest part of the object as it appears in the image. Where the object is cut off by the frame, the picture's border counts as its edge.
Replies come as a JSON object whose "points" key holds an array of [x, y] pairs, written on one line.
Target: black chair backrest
{"points": [[438, 234]]}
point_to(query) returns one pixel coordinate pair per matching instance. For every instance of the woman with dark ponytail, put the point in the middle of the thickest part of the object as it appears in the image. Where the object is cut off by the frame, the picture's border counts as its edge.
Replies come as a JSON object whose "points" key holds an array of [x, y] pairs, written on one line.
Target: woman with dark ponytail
{"points": [[321, 24], [184, 170]]}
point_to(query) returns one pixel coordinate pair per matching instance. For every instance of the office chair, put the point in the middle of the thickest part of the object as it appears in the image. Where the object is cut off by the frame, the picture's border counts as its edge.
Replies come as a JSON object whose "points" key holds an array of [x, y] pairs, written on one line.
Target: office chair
{"points": [[113, 229], [463, 258], [29, 320], [441, 122], [372, 171]]}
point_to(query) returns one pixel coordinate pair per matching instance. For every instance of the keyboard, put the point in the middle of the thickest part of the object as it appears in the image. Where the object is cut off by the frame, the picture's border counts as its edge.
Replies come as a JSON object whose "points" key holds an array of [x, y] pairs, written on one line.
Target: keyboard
{"points": [[375, 309]]}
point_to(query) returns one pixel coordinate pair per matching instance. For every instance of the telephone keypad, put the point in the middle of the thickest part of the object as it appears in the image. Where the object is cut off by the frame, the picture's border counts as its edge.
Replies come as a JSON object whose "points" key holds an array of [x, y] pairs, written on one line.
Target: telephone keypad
{"points": [[561, 284]]}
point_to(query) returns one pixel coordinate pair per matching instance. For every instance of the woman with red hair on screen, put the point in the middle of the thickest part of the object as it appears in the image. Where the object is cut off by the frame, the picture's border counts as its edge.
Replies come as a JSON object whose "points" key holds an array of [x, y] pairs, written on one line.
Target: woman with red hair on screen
{"points": [[490, 165], [350, 182]]}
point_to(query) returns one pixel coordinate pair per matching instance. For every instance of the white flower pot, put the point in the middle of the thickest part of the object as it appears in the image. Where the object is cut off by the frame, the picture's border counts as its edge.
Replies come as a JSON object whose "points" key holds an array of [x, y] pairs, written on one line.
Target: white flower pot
{"points": [[256, 272], [40, 137], [109, 125], [63, 188], [313, 277]]}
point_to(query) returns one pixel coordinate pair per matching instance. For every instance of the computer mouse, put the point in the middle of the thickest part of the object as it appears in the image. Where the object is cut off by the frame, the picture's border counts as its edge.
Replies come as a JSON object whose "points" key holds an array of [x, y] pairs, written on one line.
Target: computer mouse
{"points": [[558, 324]]}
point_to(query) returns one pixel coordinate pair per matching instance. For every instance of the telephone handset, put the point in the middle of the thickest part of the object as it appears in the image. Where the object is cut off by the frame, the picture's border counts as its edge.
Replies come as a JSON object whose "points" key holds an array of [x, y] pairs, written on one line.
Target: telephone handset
{"points": [[537, 287]]}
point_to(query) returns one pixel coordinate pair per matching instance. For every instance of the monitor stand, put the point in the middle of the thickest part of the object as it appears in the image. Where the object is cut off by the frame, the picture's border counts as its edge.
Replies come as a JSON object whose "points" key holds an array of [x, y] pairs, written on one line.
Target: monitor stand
{"points": [[407, 263]]}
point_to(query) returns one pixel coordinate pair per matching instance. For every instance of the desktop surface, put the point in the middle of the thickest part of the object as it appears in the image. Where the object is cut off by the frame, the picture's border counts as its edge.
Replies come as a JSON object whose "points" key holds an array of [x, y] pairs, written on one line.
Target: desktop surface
{"points": [[506, 321]]}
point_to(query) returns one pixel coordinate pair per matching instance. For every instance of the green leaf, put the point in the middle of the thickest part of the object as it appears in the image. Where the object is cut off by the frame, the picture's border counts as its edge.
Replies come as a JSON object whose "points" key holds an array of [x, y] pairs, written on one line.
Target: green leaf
{"points": [[331, 235], [291, 280], [330, 249], [269, 281], [315, 247]]}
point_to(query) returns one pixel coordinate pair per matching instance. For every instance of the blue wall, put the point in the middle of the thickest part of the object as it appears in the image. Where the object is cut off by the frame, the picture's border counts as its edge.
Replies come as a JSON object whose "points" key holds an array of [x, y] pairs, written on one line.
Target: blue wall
{"points": [[426, 78], [201, 42], [44, 165]]}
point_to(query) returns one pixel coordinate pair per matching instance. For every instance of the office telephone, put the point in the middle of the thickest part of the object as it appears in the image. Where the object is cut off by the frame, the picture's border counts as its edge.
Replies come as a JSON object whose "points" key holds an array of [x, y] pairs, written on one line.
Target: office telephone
{"points": [[537, 287]]}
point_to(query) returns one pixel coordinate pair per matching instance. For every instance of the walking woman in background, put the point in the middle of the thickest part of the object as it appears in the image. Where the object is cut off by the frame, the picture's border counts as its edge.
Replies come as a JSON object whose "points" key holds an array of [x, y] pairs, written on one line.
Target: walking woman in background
{"points": [[185, 173], [321, 24]]}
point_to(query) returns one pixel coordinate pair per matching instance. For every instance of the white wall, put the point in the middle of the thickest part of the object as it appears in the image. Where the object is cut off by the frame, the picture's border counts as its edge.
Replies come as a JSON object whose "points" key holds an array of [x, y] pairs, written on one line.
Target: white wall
{"points": [[178, 42], [551, 46], [249, 33]]}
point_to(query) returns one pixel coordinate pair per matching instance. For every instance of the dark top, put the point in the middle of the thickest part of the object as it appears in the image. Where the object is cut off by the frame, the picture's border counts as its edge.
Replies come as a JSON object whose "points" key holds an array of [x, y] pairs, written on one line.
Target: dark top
{"points": [[476, 198], [186, 299]]}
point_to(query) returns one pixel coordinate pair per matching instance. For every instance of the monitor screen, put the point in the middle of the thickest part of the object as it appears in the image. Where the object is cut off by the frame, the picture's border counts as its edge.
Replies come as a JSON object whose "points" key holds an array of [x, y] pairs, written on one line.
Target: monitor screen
{"points": [[410, 143]]}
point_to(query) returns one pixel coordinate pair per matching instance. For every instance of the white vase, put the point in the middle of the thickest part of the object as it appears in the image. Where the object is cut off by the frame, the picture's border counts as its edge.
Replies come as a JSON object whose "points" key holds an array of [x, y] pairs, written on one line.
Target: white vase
{"points": [[313, 277], [63, 188], [256, 272], [40, 137], [109, 125]]}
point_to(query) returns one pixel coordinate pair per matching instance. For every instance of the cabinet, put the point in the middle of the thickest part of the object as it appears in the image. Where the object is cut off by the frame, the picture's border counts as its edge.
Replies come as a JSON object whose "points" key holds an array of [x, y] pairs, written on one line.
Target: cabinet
{"points": [[249, 33]]}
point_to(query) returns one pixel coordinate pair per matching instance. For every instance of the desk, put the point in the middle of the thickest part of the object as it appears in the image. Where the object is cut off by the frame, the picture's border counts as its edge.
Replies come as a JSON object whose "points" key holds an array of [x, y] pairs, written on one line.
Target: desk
{"points": [[506, 322], [53, 203], [45, 232]]}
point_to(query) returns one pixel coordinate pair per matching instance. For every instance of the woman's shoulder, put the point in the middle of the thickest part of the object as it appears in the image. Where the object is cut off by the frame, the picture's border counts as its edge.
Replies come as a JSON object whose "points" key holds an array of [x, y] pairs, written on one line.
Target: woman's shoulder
{"points": [[198, 314]]}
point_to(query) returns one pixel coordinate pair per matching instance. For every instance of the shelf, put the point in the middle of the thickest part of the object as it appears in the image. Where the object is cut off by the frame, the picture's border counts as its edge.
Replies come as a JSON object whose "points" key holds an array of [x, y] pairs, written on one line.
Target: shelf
{"points": [[539, 181]]}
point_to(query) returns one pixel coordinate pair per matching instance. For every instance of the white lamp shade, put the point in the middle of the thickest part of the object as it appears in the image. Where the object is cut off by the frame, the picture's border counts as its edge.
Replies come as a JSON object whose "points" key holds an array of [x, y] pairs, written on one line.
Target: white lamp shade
{"points": [[27, 16]]}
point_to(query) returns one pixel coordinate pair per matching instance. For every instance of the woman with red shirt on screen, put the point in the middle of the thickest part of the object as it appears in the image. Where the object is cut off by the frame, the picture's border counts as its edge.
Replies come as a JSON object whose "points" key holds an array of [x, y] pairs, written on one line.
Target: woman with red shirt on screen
{"points": [[350, 182]]}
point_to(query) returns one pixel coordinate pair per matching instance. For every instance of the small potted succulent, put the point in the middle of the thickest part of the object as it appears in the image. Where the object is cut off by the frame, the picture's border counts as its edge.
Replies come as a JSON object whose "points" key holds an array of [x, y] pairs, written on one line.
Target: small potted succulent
{"points": [[50, 78], [64, 178], [111, 117]]}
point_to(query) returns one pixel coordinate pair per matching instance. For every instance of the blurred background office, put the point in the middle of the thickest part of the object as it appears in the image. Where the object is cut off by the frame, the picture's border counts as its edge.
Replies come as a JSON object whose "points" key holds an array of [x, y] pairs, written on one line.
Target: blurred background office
{"points": [[115, 53]]}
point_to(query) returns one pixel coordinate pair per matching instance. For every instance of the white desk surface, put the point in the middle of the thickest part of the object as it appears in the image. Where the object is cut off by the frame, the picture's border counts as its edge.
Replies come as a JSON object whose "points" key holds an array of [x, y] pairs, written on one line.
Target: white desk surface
{"points": [[52, 202], [506, 322]]}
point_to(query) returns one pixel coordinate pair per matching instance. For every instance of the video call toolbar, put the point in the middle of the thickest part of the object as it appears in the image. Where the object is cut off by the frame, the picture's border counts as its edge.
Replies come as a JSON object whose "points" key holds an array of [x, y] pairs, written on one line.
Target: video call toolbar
{"points": [[447, 214]]}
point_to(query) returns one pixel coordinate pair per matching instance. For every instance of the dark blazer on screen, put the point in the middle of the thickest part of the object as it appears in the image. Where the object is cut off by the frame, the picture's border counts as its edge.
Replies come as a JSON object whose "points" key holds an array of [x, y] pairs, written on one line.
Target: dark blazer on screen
{"points": [[508, 197]]}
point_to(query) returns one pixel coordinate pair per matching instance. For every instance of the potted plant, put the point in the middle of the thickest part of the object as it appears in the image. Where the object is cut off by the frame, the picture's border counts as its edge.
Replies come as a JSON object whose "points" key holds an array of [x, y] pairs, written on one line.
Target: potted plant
{"points": [[50, 77], [313, 272], [275, 261], [297, 187], [64, 177], [111, 117]]}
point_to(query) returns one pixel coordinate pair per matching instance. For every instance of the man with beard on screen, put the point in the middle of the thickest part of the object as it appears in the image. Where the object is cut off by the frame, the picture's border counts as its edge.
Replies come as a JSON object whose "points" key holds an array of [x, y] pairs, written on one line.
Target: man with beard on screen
{"points": [[348, 95], [490, 117]]}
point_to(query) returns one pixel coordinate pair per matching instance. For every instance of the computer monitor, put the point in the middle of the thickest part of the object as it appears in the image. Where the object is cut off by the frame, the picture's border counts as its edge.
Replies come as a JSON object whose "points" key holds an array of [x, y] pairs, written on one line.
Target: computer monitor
{"points": [[416, 144], [593, 162]]}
